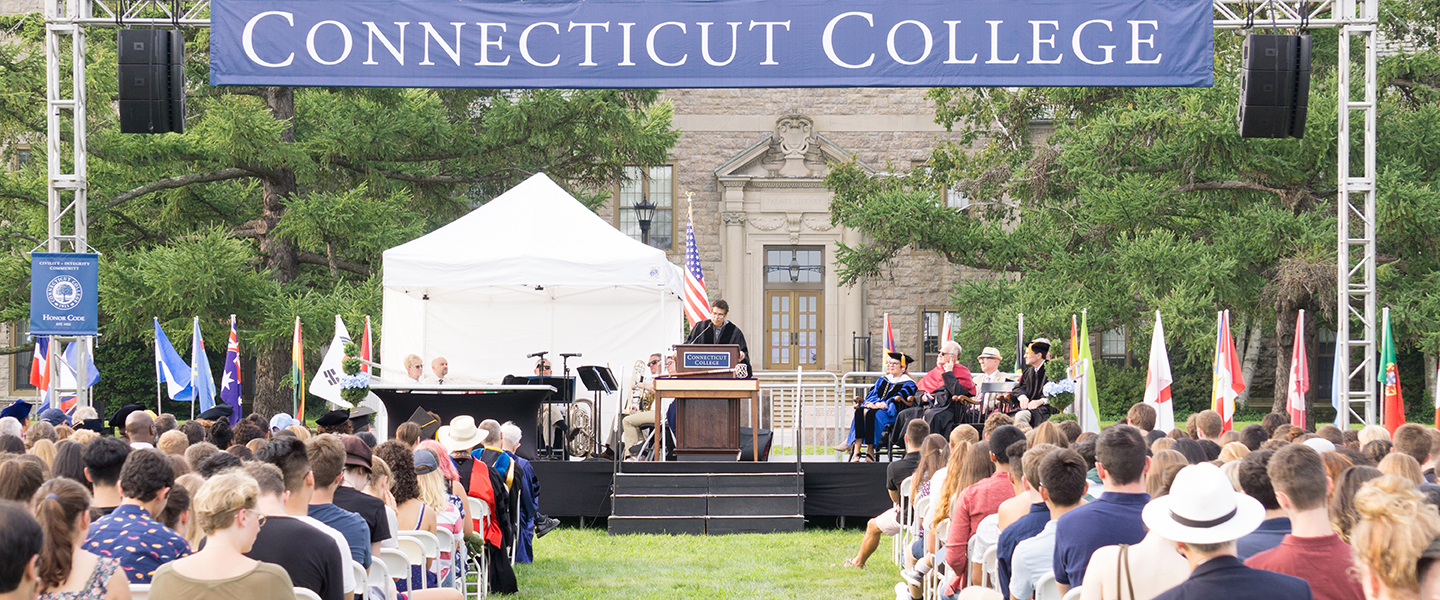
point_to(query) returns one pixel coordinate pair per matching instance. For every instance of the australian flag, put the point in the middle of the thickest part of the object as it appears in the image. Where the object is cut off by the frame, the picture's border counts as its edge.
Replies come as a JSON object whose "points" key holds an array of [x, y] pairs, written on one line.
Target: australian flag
{"points": [[230, 382]]}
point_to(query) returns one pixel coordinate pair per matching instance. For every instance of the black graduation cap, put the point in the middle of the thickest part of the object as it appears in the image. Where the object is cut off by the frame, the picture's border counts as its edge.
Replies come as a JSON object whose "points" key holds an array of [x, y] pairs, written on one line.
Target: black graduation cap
{"points": [[429, 424], [217, 412], [360, 418], [117, 420], [333, 418], [20, 409], [95, 425], [904, 359], [1040, 346]]}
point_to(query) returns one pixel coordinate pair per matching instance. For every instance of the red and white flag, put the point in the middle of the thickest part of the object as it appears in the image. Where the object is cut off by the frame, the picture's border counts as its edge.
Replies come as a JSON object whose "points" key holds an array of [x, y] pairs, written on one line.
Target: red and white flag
{"points": [[1299, 376], [1158, 380], [40, 369], [947, 332], [365, 346], [697, 306], [1227, 381]]}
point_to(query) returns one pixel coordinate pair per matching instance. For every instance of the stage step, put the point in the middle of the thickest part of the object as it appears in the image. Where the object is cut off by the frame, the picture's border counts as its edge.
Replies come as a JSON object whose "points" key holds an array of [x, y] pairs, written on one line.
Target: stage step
{"points": [[707, 503]]}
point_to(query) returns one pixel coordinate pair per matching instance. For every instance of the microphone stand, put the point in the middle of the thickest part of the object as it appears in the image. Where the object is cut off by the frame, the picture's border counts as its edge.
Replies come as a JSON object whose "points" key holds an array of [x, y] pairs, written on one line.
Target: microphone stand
{"points": [[567, 394]]}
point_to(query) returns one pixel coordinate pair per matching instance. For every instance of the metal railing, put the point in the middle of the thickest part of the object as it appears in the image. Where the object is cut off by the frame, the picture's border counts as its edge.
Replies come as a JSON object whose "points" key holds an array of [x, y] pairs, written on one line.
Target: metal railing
{"points": [[811, 416]]}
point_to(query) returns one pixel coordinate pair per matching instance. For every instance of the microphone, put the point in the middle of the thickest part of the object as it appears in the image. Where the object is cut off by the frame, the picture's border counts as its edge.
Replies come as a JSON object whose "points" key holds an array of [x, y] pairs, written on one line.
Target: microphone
{"points": [[536, 354], [568, 355]]}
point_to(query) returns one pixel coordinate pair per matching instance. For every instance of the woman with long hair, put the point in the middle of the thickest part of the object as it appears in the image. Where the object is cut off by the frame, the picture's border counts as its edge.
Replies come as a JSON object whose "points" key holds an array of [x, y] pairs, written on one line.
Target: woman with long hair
{"points": [[456, 496], [965, 469], [1155, 483], [225, 511], [1335, 463], [70, 462], [62, 506], [1395, 527], [379, 488], [1343, 513], [448, 510], [411, 511], [1401, 465]]}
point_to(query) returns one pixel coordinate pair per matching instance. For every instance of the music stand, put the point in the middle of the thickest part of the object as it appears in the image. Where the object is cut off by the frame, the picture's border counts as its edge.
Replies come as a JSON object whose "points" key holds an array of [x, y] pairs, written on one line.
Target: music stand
{"points": [[599, 380]]}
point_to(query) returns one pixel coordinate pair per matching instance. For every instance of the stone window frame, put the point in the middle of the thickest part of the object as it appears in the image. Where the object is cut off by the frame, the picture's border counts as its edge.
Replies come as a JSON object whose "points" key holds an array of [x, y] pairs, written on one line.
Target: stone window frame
{"points": [[928, 359], [18, 383], [16, 153], [677, 241], [1120, 335]]}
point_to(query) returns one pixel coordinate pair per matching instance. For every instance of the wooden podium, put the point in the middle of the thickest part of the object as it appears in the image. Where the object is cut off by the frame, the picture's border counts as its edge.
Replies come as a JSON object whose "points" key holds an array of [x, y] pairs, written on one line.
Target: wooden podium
{"points": [[707, 415]]}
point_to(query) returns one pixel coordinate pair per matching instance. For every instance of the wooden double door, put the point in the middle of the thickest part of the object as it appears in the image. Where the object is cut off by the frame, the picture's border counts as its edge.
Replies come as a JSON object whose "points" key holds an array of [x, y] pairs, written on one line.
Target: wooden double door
{"points": [[793, 329]]}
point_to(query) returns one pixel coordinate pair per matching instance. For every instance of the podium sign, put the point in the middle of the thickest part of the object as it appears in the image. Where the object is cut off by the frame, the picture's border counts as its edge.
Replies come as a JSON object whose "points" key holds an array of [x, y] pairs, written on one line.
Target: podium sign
{"points": [[706, 357]]}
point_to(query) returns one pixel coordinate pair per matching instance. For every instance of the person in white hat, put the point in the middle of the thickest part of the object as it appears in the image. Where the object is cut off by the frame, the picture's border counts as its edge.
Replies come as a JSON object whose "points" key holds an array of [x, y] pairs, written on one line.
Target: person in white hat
{"points": [[989, 373], [1204, 515], [459, 438]]}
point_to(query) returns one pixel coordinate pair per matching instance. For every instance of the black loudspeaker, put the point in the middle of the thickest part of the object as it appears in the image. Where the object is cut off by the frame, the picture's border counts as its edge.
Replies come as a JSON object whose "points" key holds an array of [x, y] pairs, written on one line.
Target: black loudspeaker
{"points": [[1274, 86], [747, 445], [152, 81]]}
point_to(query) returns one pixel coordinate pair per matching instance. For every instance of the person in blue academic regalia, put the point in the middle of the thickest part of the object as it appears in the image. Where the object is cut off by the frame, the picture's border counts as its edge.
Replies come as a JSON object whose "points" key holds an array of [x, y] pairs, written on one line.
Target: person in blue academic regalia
{"points": [[890, 394]]}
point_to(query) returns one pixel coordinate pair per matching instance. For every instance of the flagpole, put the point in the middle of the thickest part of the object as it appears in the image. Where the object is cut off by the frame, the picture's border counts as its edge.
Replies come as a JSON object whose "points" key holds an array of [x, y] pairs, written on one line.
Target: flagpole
{"points": [[158, 406], [1020, 343], [194, 373]]}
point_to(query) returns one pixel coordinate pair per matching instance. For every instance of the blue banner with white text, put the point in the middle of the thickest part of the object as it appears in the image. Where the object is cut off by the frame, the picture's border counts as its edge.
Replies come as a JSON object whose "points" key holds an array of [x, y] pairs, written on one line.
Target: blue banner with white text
{"points": [[711, 44], [63, 299]]}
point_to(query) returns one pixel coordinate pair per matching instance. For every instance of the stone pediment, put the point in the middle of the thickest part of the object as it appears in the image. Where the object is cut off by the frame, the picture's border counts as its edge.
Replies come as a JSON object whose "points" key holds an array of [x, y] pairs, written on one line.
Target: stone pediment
{"points": [[794, 151]]}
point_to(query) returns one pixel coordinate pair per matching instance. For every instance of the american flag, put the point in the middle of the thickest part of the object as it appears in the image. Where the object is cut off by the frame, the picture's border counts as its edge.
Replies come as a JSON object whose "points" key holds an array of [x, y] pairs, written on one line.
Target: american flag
{"points": [[696, 304]]}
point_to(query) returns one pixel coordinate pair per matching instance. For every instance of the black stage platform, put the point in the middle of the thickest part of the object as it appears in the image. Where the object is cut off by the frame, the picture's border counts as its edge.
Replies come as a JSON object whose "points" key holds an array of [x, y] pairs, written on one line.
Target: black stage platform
{"points": [[582, 488]]}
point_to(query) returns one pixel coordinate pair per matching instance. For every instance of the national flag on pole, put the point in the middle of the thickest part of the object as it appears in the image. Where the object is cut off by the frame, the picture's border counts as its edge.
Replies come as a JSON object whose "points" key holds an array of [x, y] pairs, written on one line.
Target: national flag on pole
{"points": [[887, 338], [947, 330], [1299, 376], [40, 370], [697, 305], [230, 380], [1019, 342], [297, 373], [1339, 379], [1394, 414], [1158, 379], [69, 361], [1226, 381], [1436, 396], [1087, 393], [170, 368], [200, 377], [326, 383], [365, 346], [1074, 339]]}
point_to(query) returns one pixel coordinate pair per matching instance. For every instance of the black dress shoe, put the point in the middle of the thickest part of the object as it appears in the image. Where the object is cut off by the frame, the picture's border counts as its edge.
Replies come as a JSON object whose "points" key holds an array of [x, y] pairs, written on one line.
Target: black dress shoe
{"points": [[546, 526]]}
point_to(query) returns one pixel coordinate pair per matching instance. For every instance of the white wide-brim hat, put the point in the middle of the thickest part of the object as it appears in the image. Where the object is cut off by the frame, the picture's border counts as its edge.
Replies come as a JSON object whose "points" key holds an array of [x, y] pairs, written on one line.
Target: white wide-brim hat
{"points": [[461, 434], [1203, 508]]}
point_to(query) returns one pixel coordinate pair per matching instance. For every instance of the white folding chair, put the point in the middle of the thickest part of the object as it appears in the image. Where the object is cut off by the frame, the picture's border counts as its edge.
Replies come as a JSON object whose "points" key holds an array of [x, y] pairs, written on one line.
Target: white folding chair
{"points": [[480, 561], [902, 516], [931, 588], [362, 579], [428, 541], [305, 594], [1073, 594], [991, 562], [445, 541], [379, 577], [139, 591], [1047, 589], [397, 563]]}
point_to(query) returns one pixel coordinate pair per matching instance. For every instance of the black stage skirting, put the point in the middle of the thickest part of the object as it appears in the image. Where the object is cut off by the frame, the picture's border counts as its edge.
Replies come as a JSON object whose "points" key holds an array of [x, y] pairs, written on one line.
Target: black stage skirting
{"points": [[582, 489], [520, 406]]}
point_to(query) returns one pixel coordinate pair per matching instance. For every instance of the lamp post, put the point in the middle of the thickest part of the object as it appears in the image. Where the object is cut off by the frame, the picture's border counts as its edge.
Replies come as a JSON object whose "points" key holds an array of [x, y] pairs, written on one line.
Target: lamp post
{"points": [[644, 213]]}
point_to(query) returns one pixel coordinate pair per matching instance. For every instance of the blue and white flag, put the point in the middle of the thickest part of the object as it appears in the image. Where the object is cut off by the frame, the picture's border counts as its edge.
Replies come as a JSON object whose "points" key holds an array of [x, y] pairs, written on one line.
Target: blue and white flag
{"points": [[204, 382], [170, 368]]}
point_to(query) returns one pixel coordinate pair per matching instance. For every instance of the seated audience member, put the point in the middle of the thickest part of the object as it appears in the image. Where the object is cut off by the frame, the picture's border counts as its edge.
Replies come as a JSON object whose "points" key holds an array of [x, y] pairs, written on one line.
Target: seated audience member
{"points": [[1428, 469], [1253, 435], [1137, 572], [280, 422], [890, 394], [1343, 513], [217, 462], [1396, 527], [1114, 517], [65, 570], [530, 518], [408, 433], [1331, 434], [327, 463], [129, 533], [39, 430], [1401, 465], [1143, 417], [349, 497], [312, 559], [173, 442], [446, 509], [20, 477], [140, 429], [193, 430], [1312, 550], [70, 462], [225, 510], [887, 523], [1376, 450], [1162, 460], [1255, 482], [1204, 516], [1062, 485], [176, 514], [163, 423], [980, 501], [197, 453], [104, 458], [969, 463], [220, 434], [1233, 451], [11, 426], [20, 545], [1373, 433], [414, 368], [1036, 517], [245, 432], [1208, 424], [290, 456]]}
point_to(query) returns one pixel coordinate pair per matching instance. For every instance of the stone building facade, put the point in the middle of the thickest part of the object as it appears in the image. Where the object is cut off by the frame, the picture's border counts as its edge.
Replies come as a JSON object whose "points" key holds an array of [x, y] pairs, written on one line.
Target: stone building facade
{"points": [[753, 162]]}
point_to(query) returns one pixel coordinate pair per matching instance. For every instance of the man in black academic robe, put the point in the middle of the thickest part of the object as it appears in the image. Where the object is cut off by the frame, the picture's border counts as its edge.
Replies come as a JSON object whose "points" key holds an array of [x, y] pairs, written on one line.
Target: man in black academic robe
{"points": [[719, 330]]}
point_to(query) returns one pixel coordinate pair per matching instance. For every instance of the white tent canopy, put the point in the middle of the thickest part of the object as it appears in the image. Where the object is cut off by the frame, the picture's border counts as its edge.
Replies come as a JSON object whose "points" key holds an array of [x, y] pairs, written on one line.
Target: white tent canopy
{"points": [[532, 270]]}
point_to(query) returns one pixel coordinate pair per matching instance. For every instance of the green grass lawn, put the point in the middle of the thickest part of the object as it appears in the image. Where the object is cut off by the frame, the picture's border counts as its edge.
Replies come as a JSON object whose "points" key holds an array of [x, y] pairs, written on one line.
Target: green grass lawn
{"points": [[589, 563]]}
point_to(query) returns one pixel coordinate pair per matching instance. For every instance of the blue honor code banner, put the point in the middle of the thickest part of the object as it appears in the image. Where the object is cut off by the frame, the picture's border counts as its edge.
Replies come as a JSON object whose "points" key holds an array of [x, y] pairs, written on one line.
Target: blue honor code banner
{"points": [[711, 44], [62, 293]]}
